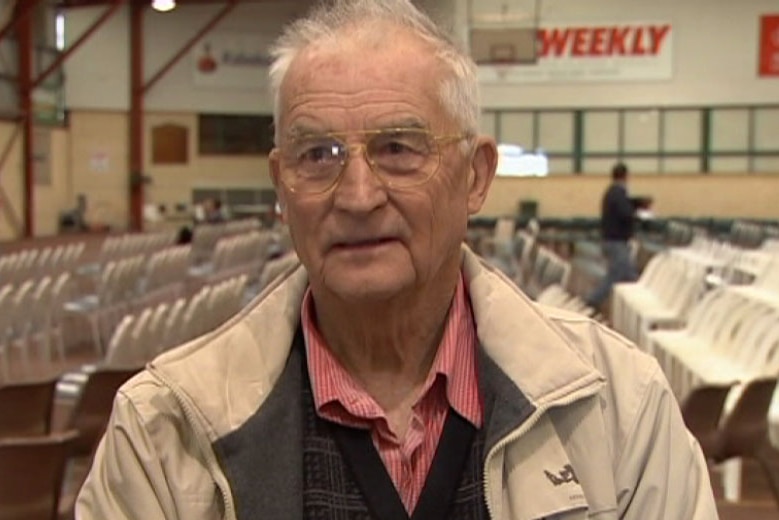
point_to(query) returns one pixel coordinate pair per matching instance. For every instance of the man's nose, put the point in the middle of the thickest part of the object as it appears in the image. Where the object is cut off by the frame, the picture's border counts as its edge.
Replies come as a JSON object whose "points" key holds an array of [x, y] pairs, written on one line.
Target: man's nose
{"points": [[359, 189]]}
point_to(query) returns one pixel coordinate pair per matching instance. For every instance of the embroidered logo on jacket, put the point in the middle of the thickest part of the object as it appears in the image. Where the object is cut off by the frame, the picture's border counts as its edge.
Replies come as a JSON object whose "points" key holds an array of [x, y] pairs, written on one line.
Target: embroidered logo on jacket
{"points": [[563, 477]]}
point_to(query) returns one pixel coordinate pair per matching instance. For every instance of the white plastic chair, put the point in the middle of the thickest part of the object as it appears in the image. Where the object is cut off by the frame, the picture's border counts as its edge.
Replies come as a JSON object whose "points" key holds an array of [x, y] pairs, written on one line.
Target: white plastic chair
{"points": [[6, 306], [93, 306], [172, 327], [121, 348], [22, 300]]}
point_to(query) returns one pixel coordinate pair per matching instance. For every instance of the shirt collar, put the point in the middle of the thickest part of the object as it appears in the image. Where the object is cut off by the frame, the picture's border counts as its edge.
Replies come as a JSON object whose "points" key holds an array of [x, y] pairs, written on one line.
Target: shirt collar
{"points": [[455, 362]]}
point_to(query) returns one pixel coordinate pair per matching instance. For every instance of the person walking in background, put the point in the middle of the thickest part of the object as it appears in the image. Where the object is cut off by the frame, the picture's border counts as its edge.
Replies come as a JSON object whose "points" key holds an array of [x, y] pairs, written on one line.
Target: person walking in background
{"points": [[617, 215]]}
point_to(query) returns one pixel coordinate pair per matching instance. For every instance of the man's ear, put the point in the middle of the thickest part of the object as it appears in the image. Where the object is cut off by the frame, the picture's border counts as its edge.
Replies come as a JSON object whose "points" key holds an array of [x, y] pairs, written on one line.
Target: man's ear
{"points": [[484, 162], [275, 171]]}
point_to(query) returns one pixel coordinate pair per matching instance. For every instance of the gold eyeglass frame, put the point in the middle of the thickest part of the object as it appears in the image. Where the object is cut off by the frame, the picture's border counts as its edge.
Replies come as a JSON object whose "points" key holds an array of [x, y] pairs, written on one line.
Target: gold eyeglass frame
{"points": [[362, 147]]}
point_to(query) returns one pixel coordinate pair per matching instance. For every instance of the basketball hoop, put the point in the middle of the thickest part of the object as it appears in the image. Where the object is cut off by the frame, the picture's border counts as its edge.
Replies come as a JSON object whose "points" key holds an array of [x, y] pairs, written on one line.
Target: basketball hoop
{"points": [[500, 40], [502, 69]]}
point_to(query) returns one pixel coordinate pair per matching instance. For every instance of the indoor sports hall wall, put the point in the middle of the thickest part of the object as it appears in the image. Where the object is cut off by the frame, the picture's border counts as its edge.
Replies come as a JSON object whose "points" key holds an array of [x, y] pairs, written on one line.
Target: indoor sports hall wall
{"points": [[714, 55], [674, 195]]}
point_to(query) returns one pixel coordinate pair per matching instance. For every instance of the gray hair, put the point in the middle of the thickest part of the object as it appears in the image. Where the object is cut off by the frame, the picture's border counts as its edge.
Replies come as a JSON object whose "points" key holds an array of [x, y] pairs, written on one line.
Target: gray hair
{"points": [[459, 92]]}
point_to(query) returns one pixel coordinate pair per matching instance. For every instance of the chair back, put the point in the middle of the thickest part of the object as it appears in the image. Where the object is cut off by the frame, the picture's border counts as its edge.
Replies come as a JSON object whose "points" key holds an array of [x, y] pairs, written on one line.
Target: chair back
{"points": [[25, 408], [121, 348], [702, 410], [745, 429], [31, 474], [93, 408]]}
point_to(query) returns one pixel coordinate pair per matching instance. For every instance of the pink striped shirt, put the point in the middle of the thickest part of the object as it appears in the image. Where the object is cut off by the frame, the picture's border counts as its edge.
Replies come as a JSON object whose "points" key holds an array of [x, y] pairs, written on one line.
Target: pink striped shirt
{"points": [[338, 397]]}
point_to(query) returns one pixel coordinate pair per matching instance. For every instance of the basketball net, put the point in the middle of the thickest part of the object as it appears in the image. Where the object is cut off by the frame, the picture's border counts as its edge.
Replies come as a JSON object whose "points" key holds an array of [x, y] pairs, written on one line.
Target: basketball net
{"points": [[502, 69]]}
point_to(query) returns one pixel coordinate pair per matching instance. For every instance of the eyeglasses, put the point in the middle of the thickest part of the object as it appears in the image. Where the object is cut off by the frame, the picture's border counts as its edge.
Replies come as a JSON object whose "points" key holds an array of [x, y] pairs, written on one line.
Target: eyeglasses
{"points": [[400, 157]]}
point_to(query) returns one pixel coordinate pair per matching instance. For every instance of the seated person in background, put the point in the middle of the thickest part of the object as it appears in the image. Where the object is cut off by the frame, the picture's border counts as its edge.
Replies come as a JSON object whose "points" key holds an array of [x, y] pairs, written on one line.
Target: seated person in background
{"points": [[392, 373], [209, 211], [184, 235], [213, 213]]}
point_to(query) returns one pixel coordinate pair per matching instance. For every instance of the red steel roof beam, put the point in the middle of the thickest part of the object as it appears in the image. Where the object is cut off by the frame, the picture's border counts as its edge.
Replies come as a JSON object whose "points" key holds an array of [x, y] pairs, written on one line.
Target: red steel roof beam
{"points": [[190, 44], [138, 89], [22, 9], [5, 205], [24, 46], [136, 117], [108, 13]]}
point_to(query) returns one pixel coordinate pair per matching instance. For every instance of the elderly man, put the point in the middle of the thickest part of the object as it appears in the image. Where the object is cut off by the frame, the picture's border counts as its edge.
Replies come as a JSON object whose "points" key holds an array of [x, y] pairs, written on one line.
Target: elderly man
{"points": [[393, 375]]}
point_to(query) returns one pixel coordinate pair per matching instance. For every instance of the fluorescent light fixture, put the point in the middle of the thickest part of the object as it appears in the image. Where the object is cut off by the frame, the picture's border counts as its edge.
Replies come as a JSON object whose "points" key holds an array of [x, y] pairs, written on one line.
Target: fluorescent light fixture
{"points": [[59, 31], [163, 5]]}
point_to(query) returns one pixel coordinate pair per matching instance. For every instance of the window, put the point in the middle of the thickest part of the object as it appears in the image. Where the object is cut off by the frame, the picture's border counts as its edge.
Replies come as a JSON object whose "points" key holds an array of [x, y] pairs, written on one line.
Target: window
{"points": [[235, 135], [729, 139]]}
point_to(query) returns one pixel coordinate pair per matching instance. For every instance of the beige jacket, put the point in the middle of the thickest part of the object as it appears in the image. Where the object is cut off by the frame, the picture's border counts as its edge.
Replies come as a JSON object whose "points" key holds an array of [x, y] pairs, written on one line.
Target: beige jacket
{"points": [[600, 436]]}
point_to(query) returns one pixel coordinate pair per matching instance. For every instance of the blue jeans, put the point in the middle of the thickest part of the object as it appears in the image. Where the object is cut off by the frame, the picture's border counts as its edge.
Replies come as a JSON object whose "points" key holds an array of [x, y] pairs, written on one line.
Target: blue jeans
{"points": [[620, 269]]}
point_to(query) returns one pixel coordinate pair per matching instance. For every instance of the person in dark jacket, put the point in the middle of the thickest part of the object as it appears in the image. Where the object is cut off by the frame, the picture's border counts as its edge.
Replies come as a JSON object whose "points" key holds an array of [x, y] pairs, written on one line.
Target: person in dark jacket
{"points": [[617, 215]]}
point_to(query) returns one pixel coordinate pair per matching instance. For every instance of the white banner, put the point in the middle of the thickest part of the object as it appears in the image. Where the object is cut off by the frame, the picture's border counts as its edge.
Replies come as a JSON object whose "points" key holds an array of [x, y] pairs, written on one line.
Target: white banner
{"points": [[633, 51], [234, 60]]}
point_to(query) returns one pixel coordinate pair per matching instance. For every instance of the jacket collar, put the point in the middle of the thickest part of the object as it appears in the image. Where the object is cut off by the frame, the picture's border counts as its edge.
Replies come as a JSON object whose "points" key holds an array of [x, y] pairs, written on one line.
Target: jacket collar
{"points": [[225, 375], [523, 341]]}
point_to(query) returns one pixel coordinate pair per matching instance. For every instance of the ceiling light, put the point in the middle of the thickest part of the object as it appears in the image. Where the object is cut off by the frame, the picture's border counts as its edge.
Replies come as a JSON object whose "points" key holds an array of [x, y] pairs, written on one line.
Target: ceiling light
{"points": [[163, 5]]}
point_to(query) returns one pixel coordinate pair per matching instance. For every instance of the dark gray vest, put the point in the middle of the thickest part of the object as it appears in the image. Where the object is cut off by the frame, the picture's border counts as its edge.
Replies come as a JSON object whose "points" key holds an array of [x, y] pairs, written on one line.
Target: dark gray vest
{"points": [[344, 477], [282, 463]]}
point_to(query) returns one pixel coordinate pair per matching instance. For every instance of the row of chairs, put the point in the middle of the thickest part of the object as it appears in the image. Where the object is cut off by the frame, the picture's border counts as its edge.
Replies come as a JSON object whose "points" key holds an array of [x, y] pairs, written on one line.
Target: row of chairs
{"points": [[117, 247], [678, 277], [536, 268], [131, 283], [727, 338], [34, 455], [709, 313], [727, 437], [667, 288], [116, 288], [243, 253], [547, 269], [143, 335], [166, 272], [749, 234], [31, 313], [37, 262], [205, 236]]}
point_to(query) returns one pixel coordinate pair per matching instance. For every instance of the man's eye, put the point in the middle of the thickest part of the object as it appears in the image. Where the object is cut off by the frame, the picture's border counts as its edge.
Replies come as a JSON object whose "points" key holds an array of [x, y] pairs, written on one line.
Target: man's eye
{"points": [[396, 147], [319, 153], [399, 147]]}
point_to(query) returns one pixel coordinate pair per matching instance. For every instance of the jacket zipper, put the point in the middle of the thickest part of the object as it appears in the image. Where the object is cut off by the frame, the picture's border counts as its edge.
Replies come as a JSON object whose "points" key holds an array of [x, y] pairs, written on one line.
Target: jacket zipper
{"points": [[208, 452], [524, 428]]}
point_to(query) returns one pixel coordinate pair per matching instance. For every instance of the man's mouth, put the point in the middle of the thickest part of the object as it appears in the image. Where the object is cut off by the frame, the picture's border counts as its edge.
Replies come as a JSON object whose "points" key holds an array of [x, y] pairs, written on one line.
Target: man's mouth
{"points": [[363, 243]]}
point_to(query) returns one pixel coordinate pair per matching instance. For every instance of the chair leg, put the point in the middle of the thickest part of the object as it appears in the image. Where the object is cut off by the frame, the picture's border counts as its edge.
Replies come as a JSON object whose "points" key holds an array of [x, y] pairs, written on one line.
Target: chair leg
{"points": [[5, 362], [773, 481], [60, 342], [23, 343], [94, 322], [731, 479]]}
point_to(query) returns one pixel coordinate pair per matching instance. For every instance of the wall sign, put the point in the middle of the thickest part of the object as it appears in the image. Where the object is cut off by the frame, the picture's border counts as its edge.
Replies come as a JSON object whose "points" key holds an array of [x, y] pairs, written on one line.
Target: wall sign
{"points": [[234, 60], [636, 51], [769, 46]]}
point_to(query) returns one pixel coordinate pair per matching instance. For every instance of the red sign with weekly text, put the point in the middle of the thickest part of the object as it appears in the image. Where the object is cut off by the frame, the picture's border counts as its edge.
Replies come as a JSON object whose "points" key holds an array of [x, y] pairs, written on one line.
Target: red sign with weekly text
{"points": [[769, 45], [607, 41], [640, 50]]}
